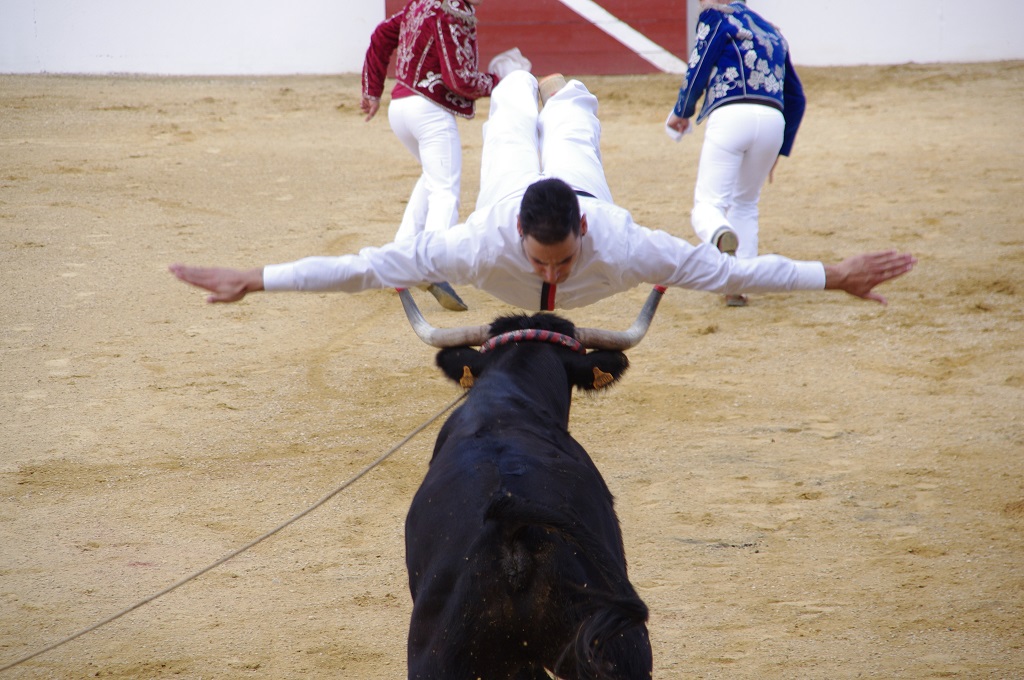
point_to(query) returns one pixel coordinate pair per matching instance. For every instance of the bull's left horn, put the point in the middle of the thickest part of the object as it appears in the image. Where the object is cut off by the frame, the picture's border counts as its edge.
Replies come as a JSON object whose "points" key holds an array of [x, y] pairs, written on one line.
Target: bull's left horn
{"points": [[598, 338], [463, 336]]}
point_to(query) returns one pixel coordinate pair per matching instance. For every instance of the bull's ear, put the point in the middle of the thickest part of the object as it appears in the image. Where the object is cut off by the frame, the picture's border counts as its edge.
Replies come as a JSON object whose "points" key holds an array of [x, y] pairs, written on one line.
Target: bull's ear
{"points": [[597, 370], [460, 364]]}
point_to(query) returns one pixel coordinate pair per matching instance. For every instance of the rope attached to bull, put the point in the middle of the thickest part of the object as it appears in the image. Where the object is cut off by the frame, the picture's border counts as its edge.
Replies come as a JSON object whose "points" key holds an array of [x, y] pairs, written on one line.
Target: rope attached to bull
{"points": [[245, 547]]}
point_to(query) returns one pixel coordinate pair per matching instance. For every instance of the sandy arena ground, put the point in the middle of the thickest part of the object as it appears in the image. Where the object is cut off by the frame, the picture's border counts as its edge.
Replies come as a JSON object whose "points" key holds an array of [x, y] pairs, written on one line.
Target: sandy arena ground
{"points": [[811, 487]]}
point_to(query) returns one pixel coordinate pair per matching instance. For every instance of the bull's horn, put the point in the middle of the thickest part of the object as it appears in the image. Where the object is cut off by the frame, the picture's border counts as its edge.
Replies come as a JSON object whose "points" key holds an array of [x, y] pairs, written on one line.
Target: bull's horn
{"points": [[598, 338], [474, 336], [463, 336]]}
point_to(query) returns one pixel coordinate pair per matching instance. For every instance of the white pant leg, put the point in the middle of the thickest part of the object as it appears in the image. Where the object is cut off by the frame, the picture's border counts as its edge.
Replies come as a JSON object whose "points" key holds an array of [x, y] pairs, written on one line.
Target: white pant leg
{"points": [[570, 140], [431, 135], [510, 159], [741, 143]]}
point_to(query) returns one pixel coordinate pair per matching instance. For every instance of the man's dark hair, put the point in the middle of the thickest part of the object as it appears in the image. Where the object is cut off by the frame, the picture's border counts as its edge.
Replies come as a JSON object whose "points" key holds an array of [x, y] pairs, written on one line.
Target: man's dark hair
{"points": [[550, 211]]}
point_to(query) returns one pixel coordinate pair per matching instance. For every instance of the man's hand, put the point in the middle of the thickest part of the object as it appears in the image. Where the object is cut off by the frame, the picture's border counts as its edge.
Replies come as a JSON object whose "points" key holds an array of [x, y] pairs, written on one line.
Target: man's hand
{"points": [[676, 123], [369, 106], [859, 274], [227, 285]]}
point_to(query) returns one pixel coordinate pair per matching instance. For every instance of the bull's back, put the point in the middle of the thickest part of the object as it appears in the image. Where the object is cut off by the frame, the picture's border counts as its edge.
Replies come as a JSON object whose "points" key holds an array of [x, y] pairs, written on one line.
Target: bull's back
{"points": [[551, 471], [498, 606], [500, 544]]}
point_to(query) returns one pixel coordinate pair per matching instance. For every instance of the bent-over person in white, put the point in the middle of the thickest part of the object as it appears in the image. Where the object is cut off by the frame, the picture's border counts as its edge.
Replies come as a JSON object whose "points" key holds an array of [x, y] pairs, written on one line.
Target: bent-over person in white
{"points": [[606, 253]]}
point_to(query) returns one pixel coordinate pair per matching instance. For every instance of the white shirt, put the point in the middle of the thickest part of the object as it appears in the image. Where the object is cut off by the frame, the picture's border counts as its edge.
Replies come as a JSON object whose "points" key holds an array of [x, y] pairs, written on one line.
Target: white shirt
{"points": [[617, 255]]}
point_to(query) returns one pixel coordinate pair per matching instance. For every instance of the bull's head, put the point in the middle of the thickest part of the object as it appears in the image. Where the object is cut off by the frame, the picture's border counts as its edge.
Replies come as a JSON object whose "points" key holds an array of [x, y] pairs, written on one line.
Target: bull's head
{"points": [[589, 371], [585, 370]]}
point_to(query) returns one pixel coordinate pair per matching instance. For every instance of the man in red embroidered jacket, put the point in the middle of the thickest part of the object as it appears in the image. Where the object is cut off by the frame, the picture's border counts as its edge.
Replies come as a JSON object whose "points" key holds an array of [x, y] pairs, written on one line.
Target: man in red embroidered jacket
{"points": [[438, 79]]}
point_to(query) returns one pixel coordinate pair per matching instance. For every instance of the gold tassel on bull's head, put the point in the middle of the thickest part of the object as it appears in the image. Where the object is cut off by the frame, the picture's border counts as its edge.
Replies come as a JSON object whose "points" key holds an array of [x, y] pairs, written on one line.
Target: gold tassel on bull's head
{"points": [[602, 379], [466, 381]]}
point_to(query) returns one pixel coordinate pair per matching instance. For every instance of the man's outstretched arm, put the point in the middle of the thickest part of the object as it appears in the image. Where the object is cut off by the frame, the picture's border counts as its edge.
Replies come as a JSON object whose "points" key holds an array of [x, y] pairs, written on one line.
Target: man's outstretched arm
{"points": [[858, 275], [226, 285]]}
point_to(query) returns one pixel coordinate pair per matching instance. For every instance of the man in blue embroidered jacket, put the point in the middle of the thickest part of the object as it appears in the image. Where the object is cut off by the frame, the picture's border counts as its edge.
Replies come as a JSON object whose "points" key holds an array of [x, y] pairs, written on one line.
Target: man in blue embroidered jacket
{"points": [[753, 102]]}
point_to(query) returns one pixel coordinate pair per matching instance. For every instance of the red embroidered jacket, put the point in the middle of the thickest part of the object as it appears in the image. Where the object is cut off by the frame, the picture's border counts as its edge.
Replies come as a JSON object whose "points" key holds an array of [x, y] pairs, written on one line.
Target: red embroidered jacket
{"points": [[436, 55]]}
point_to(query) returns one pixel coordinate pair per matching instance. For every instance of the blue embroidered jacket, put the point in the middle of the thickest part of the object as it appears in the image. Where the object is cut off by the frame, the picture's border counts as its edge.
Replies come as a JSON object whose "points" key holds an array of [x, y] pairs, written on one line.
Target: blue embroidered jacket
{"points": [[740, 56]]}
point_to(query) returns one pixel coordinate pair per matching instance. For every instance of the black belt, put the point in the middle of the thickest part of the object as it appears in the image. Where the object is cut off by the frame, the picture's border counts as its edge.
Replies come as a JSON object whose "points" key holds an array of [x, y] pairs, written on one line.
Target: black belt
{"points": [[581, 192], [763, 102]]}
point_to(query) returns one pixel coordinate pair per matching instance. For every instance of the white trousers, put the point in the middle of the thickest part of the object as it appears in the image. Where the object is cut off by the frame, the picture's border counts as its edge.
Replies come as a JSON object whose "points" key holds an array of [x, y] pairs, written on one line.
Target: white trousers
{"points": [[522, 145], [741, 143], [431, 135]]}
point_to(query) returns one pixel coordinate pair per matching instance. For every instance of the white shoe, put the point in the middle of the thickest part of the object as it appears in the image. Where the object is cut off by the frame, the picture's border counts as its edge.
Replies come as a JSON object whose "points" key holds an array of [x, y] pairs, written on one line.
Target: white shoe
{"points": [[726, 240], [446, 295], [735, 300], [507, 62], [549, 85]]}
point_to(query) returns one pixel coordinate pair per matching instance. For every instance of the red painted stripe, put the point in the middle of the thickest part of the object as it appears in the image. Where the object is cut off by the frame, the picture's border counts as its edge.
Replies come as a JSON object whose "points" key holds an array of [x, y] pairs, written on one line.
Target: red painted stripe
{"points": [[557, 40]]}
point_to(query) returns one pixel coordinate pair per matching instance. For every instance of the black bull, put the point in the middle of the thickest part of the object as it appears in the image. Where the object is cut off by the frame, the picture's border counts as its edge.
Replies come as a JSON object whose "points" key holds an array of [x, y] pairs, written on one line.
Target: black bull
{"points": [[514, 551]]}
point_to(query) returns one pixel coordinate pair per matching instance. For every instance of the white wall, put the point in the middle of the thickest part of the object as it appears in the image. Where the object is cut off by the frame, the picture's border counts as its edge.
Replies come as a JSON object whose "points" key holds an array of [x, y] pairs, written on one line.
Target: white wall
{"points": [[848, 32], [186, 37]]}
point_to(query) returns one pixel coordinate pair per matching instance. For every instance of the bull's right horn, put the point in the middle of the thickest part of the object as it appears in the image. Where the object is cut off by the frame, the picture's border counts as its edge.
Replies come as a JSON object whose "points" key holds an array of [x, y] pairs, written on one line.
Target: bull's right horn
{"points": [[462, 336], [598, 338]]}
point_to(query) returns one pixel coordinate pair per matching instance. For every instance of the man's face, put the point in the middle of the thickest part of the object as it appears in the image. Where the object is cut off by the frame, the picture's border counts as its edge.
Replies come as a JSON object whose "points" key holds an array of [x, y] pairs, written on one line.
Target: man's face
{"points": [[554, 263]]}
